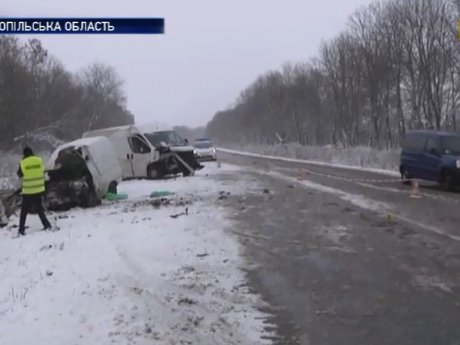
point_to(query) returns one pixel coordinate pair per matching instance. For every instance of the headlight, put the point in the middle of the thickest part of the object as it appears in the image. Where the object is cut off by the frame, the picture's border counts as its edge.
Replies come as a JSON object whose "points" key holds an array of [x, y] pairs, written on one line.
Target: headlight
{"points": [[194, 152], [458, 164]]}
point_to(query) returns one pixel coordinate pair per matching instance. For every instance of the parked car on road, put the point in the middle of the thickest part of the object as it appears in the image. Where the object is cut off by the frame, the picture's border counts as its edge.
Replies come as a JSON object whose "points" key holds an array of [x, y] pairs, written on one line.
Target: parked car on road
{"points": [[432, 156], [205, 150]]}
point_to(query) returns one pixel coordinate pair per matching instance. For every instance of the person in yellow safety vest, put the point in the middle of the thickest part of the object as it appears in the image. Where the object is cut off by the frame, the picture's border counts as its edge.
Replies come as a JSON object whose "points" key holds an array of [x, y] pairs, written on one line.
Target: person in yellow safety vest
{"points": [[32, 171]]}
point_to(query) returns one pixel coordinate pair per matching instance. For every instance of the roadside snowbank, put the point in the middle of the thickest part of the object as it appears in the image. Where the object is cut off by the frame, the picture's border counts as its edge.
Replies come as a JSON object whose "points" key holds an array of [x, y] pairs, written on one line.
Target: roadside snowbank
{"points": [[9, 163], [295, 160], [364, 157], [140, 271], [8, 166]]}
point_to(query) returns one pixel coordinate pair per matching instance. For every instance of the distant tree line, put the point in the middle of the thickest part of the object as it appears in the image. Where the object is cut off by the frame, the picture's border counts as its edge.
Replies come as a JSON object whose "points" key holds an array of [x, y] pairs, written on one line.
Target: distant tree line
{"points": [[396, 67], [41, 101], [190, 133]]}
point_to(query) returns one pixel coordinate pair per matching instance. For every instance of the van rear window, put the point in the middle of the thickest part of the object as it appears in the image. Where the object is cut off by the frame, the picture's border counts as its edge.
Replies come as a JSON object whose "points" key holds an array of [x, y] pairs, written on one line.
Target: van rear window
{"points": [[414, 142]]}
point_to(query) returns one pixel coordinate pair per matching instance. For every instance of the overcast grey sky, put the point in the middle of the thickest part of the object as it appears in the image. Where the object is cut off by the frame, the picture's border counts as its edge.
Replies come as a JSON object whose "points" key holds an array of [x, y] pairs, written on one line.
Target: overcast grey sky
{"points": [[211, 50]]}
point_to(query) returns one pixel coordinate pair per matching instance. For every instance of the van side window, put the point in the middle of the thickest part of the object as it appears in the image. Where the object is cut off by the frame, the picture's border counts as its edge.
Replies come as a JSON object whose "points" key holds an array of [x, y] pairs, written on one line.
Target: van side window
{"points": [[414, 142], [433, 144], [138, 145]]}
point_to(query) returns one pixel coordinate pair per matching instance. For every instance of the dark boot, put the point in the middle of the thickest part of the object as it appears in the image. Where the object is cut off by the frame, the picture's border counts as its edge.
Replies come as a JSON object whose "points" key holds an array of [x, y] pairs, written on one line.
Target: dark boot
{"points": [[41, 213], [44, 220], [23, 216]]}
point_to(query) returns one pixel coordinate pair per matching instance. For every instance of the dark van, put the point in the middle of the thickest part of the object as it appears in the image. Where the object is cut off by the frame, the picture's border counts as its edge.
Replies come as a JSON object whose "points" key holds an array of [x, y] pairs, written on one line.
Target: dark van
{"points": [[432, 156]]}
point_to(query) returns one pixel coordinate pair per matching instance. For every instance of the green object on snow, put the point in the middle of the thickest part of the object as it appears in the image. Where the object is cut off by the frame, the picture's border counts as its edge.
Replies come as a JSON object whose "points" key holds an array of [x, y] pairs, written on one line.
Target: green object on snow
{"points": [[116, 196], [160, 194]]}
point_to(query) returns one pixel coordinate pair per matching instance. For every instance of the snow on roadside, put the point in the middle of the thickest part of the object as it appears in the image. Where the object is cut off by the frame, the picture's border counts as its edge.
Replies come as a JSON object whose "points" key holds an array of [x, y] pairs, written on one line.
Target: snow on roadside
{"points": [[9, 163], [129, 273], [357, 158]]}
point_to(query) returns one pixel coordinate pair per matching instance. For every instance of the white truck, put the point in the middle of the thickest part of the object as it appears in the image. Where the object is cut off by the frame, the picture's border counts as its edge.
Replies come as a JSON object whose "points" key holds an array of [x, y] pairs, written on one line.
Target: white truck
{"points": [[149, 151]]}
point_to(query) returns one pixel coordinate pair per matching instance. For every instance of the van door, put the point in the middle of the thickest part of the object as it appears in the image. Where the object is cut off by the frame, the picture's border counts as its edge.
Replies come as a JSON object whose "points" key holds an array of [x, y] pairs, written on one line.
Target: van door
{"points": [[96, 173], [140, 157], [432, 159], [103, 156], [412, 154]]}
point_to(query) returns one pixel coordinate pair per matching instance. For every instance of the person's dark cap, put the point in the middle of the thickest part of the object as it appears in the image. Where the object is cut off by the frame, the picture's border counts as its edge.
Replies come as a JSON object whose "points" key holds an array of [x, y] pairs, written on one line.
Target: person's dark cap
{"points": [[27, 151]]}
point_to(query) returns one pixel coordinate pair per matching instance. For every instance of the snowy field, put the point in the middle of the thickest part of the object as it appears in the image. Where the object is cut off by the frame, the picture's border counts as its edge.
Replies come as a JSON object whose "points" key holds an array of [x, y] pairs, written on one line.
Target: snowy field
{"points": [[364, 157], [8, 166], [9, 163], [139, 271]]}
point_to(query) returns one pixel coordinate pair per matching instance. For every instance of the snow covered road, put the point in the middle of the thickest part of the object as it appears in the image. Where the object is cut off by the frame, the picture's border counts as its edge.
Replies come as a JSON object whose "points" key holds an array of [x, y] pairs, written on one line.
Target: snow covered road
{"points": [[129, 273]]}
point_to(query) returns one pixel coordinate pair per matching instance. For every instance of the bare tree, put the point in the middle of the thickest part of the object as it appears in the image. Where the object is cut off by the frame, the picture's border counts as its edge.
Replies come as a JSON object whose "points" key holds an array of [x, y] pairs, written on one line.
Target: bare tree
{"points": [[396, 67], [39, 98]]}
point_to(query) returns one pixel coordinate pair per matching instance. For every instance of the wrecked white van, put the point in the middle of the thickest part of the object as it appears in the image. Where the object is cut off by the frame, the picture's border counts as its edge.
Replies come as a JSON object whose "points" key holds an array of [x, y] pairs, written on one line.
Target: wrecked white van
{"points": [[150, 151], [81, 173]]}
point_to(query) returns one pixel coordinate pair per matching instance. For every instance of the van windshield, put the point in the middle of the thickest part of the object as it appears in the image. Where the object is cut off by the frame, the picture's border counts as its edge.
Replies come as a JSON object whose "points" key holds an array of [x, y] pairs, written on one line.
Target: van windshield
{"points": [[451, 145], [171, 138]]}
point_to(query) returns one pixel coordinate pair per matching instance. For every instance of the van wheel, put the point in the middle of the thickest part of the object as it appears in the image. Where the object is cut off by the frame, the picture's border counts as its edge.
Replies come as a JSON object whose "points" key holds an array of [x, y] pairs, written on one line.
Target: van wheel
{"points": [[112, 187], [447, 182], [152, 173], [405, 176]]}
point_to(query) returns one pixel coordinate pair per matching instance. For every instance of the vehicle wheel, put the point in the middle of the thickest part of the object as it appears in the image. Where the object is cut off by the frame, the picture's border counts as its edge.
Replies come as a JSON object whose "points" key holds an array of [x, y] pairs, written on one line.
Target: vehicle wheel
{"points": [[447, 182], [112, 187], [152, 172], [405, 176]]}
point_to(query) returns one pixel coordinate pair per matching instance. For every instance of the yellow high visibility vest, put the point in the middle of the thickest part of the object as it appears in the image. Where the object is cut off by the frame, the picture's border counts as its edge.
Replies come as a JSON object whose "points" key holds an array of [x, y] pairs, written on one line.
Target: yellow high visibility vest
{"points": [[33, 171]]}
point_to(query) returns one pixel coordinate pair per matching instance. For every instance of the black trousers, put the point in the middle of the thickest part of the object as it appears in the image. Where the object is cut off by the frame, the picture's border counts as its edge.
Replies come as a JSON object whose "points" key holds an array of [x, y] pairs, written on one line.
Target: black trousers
{"points": [[32, 204]]}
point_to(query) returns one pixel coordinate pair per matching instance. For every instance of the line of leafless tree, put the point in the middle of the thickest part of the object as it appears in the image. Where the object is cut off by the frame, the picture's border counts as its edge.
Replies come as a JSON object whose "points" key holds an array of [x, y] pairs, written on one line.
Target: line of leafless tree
{"points": [[190, 133], [395, 67], [40, 101]]}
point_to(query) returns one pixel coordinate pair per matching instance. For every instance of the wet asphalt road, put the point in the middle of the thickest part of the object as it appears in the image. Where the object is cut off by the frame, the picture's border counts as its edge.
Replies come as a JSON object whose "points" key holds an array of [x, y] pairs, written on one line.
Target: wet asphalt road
{"points": [[359, 263]]}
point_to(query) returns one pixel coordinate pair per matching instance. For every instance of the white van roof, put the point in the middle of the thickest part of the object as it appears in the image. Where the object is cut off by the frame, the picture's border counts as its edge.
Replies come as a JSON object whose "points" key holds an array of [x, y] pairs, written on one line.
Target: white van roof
{"points": [[153, 127], [144, 128], [106, 131], [76, 143], [81, 142]]}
